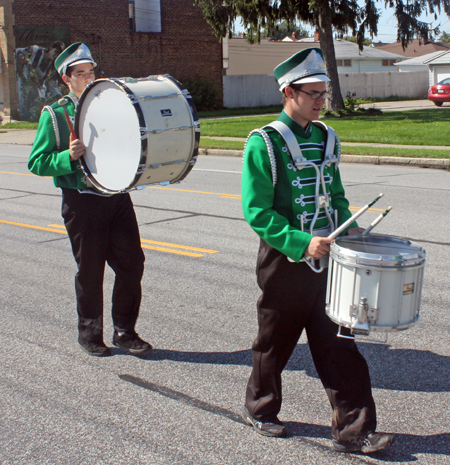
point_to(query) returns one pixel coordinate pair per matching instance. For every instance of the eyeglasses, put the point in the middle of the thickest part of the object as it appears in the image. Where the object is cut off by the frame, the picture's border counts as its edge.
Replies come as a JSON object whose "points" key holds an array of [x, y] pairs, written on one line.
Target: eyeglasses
{"points": [[315, 95]]}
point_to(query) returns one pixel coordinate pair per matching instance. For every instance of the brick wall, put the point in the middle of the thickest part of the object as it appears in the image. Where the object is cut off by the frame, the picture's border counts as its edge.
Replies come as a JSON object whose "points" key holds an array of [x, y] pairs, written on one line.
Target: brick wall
{"points": [[186, 48]]}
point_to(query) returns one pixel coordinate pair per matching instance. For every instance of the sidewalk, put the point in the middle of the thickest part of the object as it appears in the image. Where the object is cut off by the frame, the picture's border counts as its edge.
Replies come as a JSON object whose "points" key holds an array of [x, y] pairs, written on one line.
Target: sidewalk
{"points": [[26, 137]]}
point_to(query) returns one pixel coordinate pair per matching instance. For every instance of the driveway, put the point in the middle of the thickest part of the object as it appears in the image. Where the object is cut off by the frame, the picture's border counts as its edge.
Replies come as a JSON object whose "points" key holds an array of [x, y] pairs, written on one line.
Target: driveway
{"points": [[403, 105]]}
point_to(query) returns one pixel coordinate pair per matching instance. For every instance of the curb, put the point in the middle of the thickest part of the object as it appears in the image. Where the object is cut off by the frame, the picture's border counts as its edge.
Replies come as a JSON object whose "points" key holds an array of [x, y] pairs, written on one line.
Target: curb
{"points": [[27, 138], [438, 163]]}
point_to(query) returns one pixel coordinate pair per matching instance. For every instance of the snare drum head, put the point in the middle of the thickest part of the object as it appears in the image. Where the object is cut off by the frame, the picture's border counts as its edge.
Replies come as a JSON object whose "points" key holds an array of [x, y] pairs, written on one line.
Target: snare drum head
{"points": [[376, 247], [108, 125]]}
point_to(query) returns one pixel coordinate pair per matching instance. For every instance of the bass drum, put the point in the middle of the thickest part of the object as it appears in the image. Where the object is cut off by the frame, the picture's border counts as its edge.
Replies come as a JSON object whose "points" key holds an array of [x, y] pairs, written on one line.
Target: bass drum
{"points": [[137, 132], [374, 283]]}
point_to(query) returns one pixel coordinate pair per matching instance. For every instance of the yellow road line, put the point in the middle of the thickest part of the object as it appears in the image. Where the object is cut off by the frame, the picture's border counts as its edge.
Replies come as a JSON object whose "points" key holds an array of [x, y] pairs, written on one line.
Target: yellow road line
{"points": [[20, 174], [62, 230], [162, 249], [194, 192], [225, 196], [198, 249], [23, 225]]}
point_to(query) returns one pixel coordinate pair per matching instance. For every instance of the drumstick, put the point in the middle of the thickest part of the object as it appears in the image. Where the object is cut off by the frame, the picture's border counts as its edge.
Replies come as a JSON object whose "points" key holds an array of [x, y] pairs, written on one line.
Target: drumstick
{"points": [[338, 231], [376, 221], [63, 102]]}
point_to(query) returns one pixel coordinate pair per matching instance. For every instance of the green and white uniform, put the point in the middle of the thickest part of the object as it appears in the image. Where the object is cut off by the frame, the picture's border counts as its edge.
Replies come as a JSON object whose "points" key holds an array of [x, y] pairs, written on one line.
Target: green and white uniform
{"points": [[293, 295], [50, 153], [275, 212]]}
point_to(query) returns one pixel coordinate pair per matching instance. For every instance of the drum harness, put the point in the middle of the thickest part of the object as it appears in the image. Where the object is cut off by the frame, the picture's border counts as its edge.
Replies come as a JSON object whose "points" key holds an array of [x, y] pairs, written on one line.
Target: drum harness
{"points": [[322, 200], [56, 130], [55, 121]]}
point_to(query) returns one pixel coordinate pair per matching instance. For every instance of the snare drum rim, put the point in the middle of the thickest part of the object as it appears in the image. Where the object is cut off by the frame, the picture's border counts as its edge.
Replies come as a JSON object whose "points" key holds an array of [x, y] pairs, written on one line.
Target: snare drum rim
{"points": [[373, 327], [346, 256]]}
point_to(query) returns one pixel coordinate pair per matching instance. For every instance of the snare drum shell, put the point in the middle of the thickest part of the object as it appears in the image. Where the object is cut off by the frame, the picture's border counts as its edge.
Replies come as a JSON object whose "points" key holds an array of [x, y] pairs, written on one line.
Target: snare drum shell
{"points": [[390, 283]]}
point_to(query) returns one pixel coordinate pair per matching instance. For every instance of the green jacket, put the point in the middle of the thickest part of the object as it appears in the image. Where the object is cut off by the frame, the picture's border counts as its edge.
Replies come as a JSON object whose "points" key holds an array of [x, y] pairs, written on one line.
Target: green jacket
{"points": [[274, 212], [50, 153]]}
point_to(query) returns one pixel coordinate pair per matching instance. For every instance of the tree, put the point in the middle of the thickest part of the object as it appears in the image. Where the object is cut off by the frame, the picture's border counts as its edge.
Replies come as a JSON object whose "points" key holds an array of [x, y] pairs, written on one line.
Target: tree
{"points": [[366, 42], [283, 29], [325, 16], [444, 37]]}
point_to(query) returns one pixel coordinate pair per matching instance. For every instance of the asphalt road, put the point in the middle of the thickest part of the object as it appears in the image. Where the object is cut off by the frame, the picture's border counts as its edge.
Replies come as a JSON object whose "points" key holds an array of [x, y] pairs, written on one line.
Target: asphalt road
{"points": [[180, 404]]}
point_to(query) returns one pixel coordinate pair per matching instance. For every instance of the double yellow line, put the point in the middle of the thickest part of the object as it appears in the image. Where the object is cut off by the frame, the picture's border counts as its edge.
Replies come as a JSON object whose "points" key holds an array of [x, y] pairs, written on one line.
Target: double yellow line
{"points": [[173, 247]]}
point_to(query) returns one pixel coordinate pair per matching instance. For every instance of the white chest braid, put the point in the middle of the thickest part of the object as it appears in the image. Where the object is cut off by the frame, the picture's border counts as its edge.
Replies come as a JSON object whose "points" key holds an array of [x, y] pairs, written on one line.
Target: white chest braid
{"points": [[322, 201]]}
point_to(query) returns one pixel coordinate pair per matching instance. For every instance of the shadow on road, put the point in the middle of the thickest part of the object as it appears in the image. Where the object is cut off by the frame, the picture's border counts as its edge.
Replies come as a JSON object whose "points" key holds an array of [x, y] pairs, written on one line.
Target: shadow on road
{"points": [[403, 450], [391, 369]]}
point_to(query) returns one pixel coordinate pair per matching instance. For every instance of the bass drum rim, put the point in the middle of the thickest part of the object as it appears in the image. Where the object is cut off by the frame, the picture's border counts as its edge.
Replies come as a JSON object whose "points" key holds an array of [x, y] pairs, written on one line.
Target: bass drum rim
{"points": [[121, 84]]}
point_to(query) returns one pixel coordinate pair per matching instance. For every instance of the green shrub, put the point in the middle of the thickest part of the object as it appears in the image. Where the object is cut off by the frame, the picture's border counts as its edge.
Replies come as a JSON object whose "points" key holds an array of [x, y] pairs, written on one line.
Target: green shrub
{"points": [[206, 96]]}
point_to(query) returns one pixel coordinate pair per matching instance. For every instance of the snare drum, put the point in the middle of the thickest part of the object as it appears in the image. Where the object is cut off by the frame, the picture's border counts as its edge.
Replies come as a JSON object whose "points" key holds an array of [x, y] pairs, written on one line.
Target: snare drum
{"points": [[137, 132], [374, 283]]}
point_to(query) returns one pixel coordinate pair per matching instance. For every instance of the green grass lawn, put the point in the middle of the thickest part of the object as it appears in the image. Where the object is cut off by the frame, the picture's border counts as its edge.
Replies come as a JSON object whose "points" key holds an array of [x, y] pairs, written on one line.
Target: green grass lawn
{"points": [[414, 127], [20, 125], [206, 143]]}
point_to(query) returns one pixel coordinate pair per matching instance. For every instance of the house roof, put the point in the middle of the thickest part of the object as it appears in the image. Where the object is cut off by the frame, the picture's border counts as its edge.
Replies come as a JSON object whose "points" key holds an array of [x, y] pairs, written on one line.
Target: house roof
{"points": [[420, 60], [441, 59], [415, 48], [349, 50]]}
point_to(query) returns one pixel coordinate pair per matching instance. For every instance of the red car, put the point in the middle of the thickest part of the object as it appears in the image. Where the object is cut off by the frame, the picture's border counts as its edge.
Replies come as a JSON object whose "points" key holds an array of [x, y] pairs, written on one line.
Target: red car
{"points": [[440, 92]]}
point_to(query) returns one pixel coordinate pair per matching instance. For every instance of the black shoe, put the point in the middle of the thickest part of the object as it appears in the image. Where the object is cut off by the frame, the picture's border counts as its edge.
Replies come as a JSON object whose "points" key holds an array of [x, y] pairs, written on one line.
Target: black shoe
{"points": [[131, 342], [276, 430], [96, 349], [373, 442]]}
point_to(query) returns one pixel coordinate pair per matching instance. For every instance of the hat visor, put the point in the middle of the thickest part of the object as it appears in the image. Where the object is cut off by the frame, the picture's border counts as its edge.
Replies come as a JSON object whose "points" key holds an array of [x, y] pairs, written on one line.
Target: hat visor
{"points": [[79, 62], [316, 78]]}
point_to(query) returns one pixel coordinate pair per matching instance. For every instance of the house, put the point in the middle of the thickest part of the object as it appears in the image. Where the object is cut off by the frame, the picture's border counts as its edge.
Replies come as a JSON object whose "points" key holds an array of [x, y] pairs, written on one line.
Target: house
{"points": [[262, 58], [134, 38], [352, 60], [439, 67], [417, 63], [415, 48], [437, 64], [249, 80]]}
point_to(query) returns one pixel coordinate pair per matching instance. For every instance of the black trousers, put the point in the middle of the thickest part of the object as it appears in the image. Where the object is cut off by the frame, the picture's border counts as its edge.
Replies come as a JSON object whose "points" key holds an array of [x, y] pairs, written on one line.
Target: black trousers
{"points": [[293, 299], [104, 230]]}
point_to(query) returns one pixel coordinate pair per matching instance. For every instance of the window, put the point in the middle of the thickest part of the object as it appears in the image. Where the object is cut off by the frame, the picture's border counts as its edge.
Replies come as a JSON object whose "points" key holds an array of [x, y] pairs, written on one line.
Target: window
{"points": [[145, 15], [346, 63], [389, 62]]}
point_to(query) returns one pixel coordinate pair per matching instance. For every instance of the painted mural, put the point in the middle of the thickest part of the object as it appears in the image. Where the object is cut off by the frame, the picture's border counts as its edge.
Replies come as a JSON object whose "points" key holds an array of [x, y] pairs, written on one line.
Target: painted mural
{"points": [[38, 82]]}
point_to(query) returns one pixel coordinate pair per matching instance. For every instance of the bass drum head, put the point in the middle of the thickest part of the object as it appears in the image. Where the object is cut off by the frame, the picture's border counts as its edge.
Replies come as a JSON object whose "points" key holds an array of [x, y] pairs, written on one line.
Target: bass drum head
{"points": [[108, 125]]}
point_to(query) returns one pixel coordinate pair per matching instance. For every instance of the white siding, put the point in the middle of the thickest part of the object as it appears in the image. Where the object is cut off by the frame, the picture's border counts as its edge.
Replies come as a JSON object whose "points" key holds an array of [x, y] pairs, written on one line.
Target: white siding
{"points": [[437, 73], [406, 69], [366, 66], [259, 90], [442, 73]]}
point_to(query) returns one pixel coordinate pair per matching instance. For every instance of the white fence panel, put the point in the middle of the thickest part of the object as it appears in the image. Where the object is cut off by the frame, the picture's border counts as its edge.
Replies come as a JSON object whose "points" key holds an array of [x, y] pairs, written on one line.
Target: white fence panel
{"points": [[252, 90]]}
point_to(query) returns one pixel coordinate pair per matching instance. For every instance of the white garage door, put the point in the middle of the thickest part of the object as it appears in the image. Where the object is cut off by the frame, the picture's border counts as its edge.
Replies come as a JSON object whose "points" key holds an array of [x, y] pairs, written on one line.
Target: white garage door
{"points": [[442, 73]]}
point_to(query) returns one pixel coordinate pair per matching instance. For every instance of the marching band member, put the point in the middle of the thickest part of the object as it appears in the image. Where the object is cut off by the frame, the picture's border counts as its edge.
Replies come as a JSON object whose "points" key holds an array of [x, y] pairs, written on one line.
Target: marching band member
{"points": [[102, 228], [291, 191]]}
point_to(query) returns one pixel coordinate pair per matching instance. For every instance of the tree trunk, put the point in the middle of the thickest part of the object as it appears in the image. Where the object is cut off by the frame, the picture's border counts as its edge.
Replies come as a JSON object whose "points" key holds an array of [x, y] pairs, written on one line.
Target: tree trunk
{"points": [[327, 45]]}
